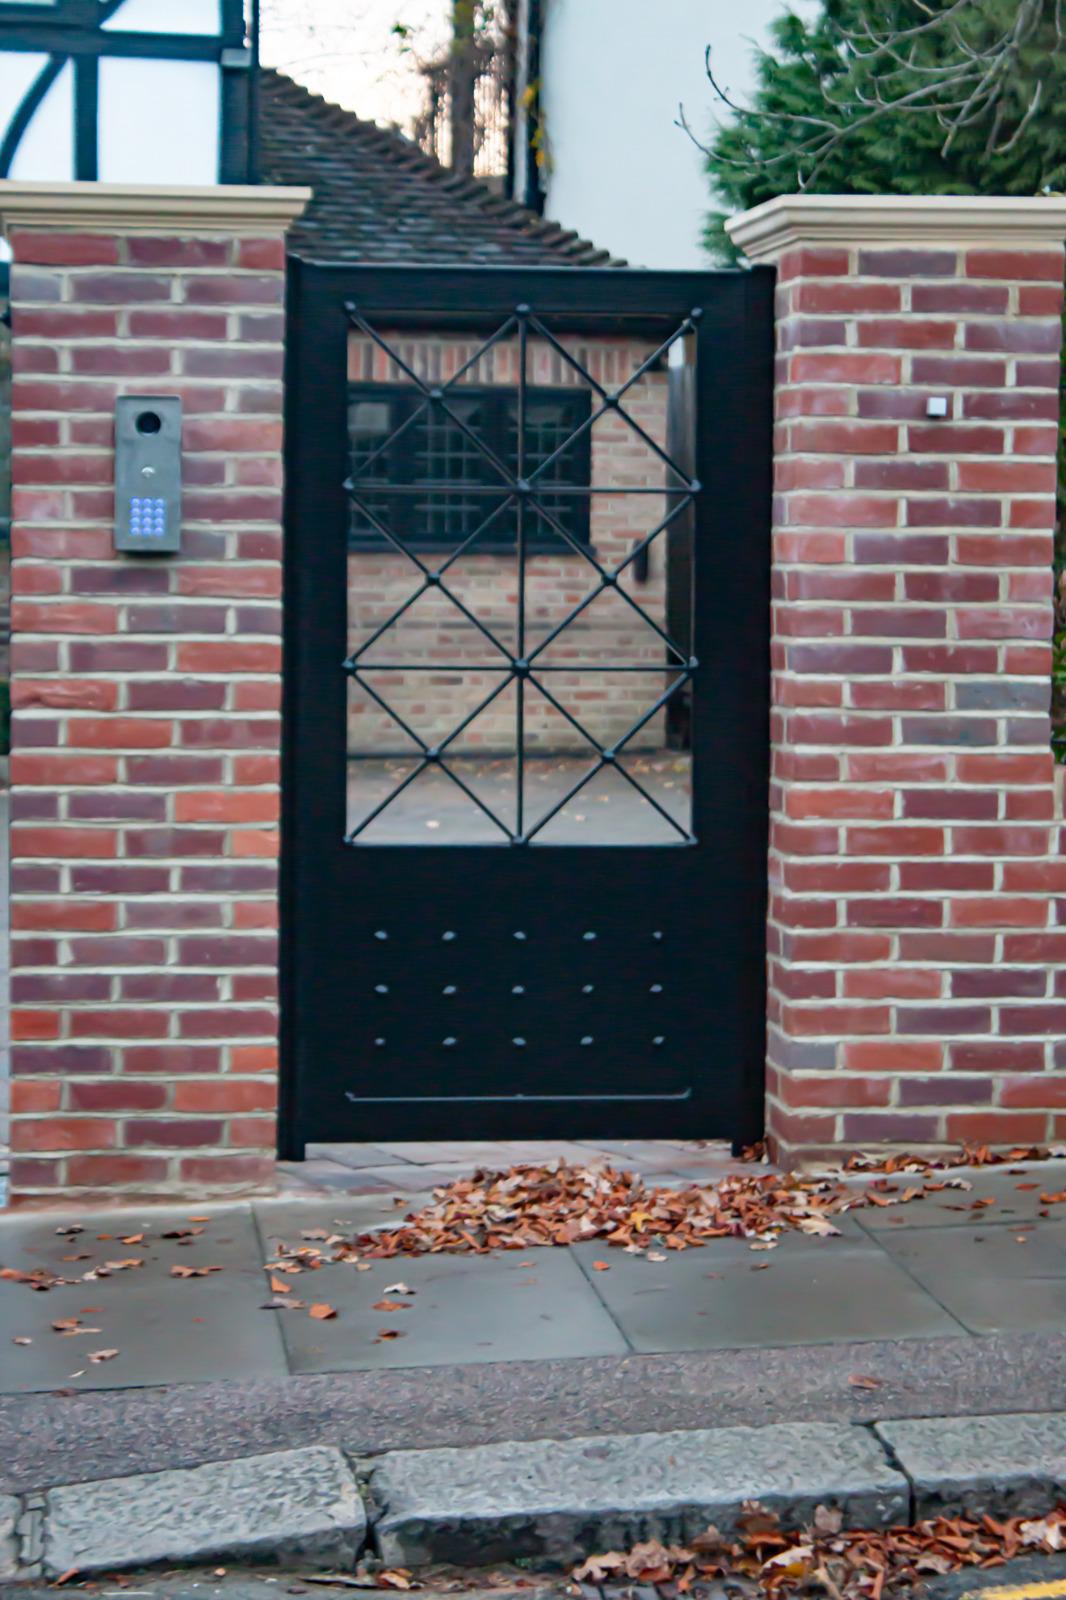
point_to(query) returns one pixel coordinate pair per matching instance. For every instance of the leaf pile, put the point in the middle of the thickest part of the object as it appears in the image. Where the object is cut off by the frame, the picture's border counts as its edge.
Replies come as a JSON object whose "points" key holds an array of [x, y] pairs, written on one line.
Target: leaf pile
{"points": [[844, 1563], [529, 1206]]}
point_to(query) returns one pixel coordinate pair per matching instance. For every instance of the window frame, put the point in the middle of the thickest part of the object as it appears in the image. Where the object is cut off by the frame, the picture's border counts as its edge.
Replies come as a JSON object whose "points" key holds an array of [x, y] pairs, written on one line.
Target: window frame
{"points": [[540, 539]]}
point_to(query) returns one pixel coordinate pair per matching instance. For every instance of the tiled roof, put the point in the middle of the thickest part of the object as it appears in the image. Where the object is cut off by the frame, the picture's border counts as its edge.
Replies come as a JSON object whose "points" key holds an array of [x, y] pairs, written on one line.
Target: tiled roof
{"points": [[378, 198]]}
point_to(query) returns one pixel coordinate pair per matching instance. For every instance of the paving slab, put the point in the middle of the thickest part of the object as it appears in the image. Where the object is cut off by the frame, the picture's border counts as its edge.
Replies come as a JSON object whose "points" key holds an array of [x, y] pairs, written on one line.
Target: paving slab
{"points": [[289, 1506], [166, 1329], [469, 1309], [9, 1516], [1014, 1191], [728, 1297], [288, 1219], [992, 1279], [348, 1155], [1013, 1465], [554, 1500]]}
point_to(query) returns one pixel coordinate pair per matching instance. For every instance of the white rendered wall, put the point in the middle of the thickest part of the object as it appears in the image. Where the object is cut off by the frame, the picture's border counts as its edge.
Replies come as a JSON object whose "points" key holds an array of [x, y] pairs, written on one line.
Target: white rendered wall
{"points": [[46, 150], [612, 75], [158, 121]]}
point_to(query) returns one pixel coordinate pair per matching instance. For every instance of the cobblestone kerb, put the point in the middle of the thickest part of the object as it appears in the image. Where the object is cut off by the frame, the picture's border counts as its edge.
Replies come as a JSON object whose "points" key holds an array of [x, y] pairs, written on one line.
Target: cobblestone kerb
{"points": [[551, 1501]]}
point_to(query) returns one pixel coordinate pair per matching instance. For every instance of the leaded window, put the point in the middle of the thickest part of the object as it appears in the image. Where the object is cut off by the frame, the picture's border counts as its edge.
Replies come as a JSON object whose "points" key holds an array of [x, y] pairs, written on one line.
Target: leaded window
{"points": [[432, 476]]}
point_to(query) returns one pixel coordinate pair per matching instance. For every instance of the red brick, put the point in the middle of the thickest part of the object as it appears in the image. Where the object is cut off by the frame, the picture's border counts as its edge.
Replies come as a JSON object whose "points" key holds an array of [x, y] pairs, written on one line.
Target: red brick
{"points": [[114, 1171], [1000, 477], [892, 1127], [845, 366], [905, 333], [1001, 911], [895, 913], [892, 983], [185, 1134], [261, 255], [119, 1094], [120, 733], [1043, 265], [34, 247], [177, 252], [994, 1055], [64, 1133], [844, 438], [996, 1127], [811, 262], [119, 1024], [846, 297], [225, 1095], [1040, 1089], [238, 1171]]}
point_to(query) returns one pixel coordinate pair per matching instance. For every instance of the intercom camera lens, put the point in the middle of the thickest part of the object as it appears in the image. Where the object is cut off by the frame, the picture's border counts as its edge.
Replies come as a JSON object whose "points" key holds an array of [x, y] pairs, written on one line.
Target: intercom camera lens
{"points": [[149, 422]]}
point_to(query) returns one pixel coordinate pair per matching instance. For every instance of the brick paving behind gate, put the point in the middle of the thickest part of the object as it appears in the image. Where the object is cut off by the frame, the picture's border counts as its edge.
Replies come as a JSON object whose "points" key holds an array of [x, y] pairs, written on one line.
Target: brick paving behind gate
{"points": [[915, 932], [145, 737]]}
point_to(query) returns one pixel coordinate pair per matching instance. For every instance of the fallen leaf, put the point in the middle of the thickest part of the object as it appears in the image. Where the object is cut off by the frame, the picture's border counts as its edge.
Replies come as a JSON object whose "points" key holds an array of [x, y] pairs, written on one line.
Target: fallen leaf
{"points": [[133, 1238], [278, 1286], [401, 1288], [828, 1519], [600, 1266], [389, 1305], [321, 1312], [861, 1381], [96, 1356], [21, 1339], [390, 1333]]}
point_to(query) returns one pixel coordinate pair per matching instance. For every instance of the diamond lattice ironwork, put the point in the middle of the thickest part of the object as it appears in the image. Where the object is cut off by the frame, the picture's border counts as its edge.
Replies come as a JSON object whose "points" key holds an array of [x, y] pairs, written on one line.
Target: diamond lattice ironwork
{"points": [[530, 495]]}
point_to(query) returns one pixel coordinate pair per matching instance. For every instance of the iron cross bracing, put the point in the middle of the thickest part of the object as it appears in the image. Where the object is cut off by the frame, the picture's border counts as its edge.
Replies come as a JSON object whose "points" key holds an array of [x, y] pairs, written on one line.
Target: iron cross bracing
{"points": [[523, 493]]}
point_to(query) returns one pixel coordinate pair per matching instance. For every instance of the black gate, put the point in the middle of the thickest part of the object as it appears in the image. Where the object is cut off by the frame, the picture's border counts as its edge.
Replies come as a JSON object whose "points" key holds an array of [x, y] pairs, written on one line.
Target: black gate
{"points": [[526, 703]]}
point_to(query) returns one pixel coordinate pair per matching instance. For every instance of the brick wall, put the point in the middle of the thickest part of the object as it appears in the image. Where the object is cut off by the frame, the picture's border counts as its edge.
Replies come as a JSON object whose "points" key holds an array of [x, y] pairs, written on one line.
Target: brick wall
{"points": [[915, 987], [556, 582], [145, 734]]}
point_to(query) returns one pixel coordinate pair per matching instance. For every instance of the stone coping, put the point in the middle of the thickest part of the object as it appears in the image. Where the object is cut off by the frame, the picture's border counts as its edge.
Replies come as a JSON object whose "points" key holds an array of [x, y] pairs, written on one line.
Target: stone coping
{"points": [[1012, 222], [156, 208]]}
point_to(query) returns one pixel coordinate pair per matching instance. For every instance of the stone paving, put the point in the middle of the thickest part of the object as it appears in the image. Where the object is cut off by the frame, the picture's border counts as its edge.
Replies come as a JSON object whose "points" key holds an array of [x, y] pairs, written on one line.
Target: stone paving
{"points": [[935, 1269]]}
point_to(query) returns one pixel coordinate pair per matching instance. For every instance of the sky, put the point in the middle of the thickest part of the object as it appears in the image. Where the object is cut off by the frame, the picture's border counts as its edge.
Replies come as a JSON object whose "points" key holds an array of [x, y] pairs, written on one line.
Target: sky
{"points": [[346, 50]]}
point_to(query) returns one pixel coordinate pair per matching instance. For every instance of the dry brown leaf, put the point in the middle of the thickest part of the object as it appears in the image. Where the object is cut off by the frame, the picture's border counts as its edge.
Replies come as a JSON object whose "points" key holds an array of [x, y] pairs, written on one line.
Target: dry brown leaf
{"points": [[861, 1381], [389, 1305], [321, 1312], [96, 1356]]}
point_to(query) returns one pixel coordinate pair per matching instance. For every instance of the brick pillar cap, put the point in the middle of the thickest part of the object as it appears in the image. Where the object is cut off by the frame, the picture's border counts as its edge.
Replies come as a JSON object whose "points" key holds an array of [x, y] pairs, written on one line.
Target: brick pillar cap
{"points": [[150, 207], [1013, 222]]}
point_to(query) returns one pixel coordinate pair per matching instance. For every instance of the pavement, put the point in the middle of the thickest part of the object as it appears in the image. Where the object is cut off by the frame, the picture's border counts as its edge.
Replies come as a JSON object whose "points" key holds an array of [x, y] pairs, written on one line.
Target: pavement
{"points": [[949, 1307]]}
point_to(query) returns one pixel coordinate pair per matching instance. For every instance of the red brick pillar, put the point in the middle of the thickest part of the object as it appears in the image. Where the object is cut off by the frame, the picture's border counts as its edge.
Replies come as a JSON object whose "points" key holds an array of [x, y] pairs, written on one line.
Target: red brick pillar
{"points": [[146, 694], [915, 989]]}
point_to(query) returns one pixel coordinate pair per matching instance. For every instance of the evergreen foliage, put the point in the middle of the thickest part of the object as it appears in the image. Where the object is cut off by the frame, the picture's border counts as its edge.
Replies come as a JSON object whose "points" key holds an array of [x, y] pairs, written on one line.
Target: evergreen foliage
{"points": [[817, 70]]}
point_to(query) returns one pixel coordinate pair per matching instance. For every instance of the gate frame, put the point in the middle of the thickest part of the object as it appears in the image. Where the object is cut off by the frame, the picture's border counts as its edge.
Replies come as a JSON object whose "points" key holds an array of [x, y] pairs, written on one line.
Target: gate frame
{"points": [[738, 483]]}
